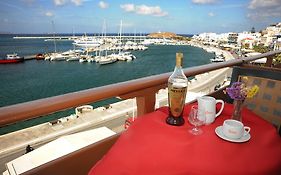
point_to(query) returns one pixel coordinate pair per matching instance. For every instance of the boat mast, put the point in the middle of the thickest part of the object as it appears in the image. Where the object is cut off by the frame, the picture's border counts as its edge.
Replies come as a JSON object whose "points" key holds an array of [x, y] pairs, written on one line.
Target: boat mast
{"points": [[73, 37], [104, 28], [53, 26], [120, 35]]}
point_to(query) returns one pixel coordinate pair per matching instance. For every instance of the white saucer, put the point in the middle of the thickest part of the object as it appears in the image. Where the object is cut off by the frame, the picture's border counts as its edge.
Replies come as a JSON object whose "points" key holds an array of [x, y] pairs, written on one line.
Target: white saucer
{"points": [[221, 135]]}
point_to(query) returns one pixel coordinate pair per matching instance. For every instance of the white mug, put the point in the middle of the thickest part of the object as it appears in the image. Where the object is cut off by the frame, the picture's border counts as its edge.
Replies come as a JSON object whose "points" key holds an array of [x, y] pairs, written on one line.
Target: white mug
{"points": [[208, 105], [234, 129]]}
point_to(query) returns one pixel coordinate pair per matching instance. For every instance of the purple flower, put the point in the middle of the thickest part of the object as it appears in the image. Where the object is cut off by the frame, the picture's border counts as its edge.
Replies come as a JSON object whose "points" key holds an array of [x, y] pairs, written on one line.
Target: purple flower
{"points": [[237, 91]]}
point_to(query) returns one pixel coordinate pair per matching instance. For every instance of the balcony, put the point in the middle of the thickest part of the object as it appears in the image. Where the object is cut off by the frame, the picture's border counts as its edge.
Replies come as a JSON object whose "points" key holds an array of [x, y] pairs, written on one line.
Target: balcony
{"points": [[144, 90]]}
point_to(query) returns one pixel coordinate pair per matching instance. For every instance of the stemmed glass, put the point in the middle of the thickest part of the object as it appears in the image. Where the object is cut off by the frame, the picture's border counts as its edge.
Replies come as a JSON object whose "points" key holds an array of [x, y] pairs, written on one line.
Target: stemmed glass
{"points": [[196, 118]]}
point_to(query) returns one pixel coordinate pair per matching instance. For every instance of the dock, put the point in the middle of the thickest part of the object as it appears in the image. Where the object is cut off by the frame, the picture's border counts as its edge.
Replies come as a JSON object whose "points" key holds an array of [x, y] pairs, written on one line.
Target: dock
{"points": [[29, 57], [50, 38]]}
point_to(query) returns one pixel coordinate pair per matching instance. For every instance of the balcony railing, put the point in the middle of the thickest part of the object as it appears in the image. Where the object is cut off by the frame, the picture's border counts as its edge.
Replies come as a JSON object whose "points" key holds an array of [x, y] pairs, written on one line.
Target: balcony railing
{"points": [[144, 89]]}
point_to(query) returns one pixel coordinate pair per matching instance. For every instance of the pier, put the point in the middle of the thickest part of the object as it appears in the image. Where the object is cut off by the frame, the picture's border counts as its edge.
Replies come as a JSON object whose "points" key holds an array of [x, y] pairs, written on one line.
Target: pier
{"points": [[137, 37]]}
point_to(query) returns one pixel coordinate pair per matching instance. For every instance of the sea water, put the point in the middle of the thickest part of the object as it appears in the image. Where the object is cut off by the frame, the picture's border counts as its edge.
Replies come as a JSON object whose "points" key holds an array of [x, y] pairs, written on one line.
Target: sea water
{"points": [[34, 79]]}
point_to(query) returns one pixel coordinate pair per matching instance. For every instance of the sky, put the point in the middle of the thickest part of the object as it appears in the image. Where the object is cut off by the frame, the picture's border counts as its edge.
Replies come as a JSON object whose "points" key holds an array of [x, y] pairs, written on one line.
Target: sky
{"points": [[138, 16]]}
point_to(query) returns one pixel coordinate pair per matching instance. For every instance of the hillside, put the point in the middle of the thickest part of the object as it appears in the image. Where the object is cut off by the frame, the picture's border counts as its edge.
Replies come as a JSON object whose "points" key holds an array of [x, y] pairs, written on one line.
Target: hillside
{"points": [[163, 35]]}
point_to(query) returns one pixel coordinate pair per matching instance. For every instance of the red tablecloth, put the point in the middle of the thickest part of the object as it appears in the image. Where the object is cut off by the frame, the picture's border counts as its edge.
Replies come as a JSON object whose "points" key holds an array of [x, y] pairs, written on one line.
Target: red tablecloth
{"points": [[150, 146]]}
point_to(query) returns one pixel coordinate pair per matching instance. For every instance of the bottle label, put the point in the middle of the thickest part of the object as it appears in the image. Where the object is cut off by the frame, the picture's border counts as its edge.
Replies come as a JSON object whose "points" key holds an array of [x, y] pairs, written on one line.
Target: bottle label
{"points": [[176, 100]]}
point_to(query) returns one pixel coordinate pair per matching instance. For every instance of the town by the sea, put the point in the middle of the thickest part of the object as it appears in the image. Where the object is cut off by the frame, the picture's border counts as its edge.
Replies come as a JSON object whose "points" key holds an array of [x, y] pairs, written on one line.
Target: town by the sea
{"points": [[36, 79]]}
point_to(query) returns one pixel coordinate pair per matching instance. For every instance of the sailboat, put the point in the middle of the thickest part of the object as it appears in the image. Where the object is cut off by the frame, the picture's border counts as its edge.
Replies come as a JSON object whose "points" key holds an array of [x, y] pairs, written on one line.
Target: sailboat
{"points": [[122, 56], [54, 56], [104, 59]]}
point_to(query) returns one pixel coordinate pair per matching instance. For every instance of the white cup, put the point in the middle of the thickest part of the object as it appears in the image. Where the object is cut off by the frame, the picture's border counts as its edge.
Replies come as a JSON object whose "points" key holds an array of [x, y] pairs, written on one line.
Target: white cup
{"points": [[207, 104], [234, 129]]}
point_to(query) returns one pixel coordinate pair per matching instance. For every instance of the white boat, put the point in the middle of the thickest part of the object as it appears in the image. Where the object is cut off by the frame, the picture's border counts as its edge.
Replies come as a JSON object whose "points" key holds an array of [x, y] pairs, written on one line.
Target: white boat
{"points": [[12, 58], [128, 55], [47, 56], [83, 59], [91, 59], [73, 58], [148, 42], [88, 42], [106, 60], [118, 57], [142, 47], [218, 58], [57, 57], [123, 56], [69, 52]]}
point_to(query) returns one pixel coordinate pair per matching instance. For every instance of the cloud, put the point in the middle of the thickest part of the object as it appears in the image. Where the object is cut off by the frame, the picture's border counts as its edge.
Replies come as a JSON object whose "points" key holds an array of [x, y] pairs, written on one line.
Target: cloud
{"points": [[264, 9], [77, 2], [144, 10], [49, 14], [103, 5], [63, 2], [204, 1], [211, 14], [128, 7], [150, 10], [59, 2], [254, 4]]}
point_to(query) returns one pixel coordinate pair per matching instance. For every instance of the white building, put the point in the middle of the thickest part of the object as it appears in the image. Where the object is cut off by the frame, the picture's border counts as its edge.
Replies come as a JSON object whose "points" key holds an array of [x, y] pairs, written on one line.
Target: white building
{"points": [[249, 38], [277, 44], [270, 34]]}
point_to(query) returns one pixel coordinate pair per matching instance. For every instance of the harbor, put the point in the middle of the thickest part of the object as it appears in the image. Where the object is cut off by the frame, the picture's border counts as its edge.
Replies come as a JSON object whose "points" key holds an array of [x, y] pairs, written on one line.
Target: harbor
{"points": [[102, 49], [138, 37], [112, 116]]}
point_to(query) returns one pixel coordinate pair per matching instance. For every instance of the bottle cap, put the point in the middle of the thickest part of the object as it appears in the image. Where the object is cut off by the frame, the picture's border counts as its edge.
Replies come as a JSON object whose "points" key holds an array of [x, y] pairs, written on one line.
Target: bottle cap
{"points": [[179, 58]]}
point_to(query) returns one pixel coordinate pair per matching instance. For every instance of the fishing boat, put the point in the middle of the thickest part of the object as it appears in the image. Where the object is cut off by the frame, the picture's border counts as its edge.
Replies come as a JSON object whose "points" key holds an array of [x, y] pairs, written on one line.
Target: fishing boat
{"points": [[12, 58], [218, 58]]}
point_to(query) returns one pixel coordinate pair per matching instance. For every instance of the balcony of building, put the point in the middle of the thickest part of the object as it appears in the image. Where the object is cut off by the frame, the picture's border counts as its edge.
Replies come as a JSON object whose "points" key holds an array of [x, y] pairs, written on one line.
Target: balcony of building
{"points": [[143, 90]]}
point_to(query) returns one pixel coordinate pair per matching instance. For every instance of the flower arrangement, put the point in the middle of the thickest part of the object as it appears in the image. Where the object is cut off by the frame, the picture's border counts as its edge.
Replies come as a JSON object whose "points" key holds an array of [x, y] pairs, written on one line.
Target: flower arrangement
{"points": [[239, 90]]}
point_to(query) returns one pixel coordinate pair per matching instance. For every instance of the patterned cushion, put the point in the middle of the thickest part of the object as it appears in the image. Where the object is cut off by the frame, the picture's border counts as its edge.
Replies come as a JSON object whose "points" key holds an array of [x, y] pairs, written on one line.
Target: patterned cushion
{"points": [[267, 102]]}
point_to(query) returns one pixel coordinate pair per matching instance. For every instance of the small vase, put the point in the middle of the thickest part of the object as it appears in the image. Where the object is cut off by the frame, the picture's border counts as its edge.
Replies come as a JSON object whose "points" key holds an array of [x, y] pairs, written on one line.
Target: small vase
{"points": [[237, 110]]}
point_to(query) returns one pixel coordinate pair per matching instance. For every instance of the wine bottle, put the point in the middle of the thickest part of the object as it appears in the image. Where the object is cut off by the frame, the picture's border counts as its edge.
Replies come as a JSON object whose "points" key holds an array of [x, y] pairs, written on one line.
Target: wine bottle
{"points": [[177, 88]]}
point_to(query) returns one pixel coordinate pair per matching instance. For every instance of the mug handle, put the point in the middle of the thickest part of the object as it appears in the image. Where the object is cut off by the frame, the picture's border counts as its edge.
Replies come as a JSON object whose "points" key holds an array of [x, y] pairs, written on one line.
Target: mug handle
{"points": [[222, 106], [247, 129]]}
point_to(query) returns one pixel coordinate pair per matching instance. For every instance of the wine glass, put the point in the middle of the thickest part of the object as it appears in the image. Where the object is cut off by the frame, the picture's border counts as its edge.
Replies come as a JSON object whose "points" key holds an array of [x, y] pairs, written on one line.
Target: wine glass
{"points": [[197, 118]]}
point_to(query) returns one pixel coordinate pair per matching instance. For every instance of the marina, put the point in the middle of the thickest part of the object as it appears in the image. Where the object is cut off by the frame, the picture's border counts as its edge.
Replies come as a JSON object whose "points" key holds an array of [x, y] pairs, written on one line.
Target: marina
{"points": [[116, 113], [45, 78], [112, 48], [110, 36]]}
